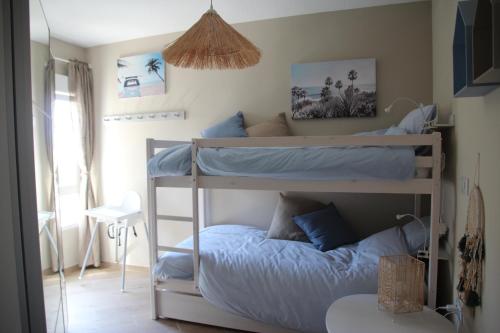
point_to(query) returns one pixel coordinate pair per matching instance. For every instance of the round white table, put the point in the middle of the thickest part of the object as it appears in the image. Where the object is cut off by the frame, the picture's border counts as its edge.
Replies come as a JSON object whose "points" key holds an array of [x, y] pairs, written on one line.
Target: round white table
{"points": [[360, 314]]}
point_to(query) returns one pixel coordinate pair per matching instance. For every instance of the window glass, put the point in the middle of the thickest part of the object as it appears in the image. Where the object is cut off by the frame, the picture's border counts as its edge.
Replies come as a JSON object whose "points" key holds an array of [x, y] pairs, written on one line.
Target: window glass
{"points": [[66, 158]]}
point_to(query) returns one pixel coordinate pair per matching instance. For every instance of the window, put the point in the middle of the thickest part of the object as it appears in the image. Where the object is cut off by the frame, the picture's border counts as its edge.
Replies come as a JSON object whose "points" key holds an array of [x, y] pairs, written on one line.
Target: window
{"points": [[66, 159]]}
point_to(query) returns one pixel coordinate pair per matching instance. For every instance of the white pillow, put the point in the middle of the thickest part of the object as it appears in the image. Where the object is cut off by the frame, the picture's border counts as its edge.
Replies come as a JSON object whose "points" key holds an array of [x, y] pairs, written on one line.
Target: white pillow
{"points": [[413, 122]]}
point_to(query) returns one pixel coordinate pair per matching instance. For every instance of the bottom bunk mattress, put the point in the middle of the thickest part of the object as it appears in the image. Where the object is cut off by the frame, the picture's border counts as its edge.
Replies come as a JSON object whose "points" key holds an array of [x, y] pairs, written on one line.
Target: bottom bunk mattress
{"points": [[286, 283]]}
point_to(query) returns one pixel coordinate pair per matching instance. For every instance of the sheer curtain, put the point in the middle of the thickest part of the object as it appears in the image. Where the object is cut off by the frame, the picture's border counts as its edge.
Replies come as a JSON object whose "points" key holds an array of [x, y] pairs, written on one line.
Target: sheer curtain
{"points": [[80, 83]]}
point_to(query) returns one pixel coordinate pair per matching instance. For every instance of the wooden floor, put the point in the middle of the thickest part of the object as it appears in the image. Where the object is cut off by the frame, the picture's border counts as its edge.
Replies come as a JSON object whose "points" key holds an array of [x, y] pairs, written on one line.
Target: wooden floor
{"points": [[95, 304]]}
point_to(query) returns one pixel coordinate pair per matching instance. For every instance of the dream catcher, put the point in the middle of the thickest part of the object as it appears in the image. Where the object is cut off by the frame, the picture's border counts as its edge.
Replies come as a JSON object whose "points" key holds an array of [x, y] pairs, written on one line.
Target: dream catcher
{"points": [[471, 247]]}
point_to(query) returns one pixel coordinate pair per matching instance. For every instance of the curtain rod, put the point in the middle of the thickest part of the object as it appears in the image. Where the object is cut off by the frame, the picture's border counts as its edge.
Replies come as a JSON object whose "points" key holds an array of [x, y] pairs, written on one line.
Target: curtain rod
{"points": [[66, 61]]}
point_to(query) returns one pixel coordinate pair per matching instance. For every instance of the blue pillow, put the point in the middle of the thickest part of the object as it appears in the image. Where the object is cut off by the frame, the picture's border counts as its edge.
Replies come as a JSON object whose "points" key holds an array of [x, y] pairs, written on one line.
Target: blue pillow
{"points": [[395, 130], [385, 243], [325, 228], [415, 233], [231, 127], [372, 133], [413, 122]]}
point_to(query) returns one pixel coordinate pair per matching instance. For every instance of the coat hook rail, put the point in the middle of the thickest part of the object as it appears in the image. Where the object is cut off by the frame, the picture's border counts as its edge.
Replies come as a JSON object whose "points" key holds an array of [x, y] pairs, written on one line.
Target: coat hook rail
{"points": [[146, 116]]}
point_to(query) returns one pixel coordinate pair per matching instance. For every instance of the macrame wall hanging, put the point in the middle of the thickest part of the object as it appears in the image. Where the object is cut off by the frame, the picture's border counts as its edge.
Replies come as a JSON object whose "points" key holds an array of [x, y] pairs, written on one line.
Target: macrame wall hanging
{"points": [[472, 248]]}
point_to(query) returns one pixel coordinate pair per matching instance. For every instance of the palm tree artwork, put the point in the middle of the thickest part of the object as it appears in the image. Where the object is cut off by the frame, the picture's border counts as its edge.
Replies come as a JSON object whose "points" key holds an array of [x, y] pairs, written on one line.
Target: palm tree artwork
{"points": [[339, 85], [141, 75], [153, 66], [303, 94], [328, 81], [352, 76], [312, 86]]}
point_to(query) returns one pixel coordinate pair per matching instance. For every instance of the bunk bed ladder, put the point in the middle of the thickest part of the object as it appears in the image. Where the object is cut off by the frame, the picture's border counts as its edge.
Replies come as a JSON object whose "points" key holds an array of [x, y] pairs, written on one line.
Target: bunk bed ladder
{"points": [[154, 217], [153, 234]]}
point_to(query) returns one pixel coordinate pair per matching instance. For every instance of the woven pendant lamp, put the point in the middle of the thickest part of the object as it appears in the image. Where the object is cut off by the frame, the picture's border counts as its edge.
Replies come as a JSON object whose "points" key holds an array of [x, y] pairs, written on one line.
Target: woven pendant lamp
{"points": [[211, 43]]}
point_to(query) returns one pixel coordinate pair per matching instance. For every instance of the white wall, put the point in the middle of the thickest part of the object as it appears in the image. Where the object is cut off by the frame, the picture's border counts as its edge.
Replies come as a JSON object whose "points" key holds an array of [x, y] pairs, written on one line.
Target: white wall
{"points": [[398, 36], [476, 131]]}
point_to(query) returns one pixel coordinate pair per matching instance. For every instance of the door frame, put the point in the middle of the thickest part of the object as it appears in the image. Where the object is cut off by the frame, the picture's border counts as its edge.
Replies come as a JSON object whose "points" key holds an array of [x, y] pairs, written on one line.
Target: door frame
{"points": [[21, 279]]}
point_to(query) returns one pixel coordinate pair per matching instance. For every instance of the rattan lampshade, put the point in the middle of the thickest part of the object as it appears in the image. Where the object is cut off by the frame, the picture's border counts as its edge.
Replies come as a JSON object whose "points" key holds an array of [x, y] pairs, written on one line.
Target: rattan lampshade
{"points": [[211, 43]]}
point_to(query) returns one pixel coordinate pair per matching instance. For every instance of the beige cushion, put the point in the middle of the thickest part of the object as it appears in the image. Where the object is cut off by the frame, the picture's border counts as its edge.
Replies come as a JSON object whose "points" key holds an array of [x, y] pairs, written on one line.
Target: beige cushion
{"points": [[282, 226], [274, 127]]}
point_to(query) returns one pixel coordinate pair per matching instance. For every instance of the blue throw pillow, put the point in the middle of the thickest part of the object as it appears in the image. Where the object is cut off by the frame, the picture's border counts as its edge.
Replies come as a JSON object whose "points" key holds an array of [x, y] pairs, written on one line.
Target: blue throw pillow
{"points": [[229, 128], [325, 228]]}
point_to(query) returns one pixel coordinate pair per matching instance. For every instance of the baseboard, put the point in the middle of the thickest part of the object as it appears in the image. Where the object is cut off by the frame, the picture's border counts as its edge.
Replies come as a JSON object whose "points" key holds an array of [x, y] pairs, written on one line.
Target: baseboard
{"points": [[108, 264], [67, 270], [48, 272]]}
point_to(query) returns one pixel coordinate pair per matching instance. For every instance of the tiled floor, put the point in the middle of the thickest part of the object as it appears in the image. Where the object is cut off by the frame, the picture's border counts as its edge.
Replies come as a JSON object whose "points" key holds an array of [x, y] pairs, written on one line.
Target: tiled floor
{"points": [[96, 305]]}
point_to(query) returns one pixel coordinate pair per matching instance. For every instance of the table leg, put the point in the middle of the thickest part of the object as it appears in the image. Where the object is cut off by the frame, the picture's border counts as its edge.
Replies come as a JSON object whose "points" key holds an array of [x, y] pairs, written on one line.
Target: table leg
{"points": [[117, 239], [124, 257], [89, 250]]}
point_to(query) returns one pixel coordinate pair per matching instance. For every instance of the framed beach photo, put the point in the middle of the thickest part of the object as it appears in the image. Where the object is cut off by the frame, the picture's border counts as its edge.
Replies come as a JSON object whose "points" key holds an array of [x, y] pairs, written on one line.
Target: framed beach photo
{"points": [[334, 89], [141, 75]]}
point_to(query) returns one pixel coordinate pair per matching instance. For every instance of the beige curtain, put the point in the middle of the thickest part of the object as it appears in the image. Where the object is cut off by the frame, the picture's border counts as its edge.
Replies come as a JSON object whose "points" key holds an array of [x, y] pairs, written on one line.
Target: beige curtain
{"points": [[49, 101], [81, 92]]}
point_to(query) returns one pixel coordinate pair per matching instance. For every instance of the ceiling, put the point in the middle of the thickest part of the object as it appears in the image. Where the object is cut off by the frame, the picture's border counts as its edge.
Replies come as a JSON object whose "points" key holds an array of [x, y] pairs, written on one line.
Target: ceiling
{"points": [[95, 22]]}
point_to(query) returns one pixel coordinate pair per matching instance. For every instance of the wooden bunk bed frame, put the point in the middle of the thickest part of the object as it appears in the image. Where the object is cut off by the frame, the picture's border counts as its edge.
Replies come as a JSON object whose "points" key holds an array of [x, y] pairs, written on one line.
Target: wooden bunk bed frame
{"points": [[181, 299]]}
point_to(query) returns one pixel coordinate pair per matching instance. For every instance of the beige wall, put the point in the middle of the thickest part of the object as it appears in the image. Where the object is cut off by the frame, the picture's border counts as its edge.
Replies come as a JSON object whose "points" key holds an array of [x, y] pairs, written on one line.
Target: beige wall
{"points": [[66, 51], [476, 131], [398, 36], [39, 58]]}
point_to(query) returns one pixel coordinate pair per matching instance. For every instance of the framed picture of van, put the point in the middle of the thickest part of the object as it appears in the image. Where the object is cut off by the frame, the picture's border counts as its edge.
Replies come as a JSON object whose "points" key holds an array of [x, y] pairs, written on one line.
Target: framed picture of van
{"points": [[141, 75]]}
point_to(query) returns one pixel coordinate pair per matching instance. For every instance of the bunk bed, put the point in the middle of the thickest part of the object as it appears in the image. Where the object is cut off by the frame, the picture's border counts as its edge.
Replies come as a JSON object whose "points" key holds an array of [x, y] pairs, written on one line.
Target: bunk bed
{"points": [[181, 298]]}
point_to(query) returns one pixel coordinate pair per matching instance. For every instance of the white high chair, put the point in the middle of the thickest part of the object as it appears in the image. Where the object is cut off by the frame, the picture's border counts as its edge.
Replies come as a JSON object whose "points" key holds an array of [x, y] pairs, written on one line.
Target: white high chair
{"points": [[122, 216], [43, 225]]}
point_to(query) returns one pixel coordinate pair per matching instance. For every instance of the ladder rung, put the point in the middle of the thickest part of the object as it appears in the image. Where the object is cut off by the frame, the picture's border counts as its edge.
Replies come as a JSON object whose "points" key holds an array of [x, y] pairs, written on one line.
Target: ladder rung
{"points": [[174, 218], [175, 249]]}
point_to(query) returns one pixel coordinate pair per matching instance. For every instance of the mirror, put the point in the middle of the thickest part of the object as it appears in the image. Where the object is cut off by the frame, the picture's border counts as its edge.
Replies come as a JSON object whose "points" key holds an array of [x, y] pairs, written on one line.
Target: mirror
{"points": [[48, 227]]}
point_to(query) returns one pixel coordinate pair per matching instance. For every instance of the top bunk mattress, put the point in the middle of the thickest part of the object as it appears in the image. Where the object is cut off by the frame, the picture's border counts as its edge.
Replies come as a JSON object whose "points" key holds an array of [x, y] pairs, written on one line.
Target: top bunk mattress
{"points": [[312, 163]]}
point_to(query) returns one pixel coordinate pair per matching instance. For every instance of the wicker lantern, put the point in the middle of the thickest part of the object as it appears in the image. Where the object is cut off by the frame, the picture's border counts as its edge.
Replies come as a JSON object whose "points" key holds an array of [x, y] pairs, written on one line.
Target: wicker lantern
{"points": [[211, 43], [401, 284]]}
